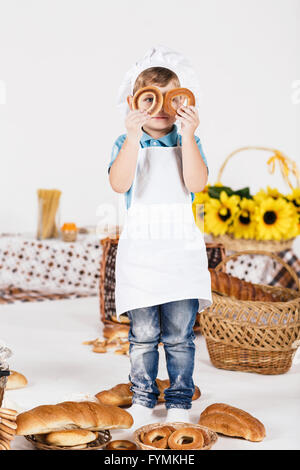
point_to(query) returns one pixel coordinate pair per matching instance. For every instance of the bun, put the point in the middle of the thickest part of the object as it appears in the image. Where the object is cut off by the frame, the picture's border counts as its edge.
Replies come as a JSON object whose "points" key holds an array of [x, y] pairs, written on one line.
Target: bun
{"points": [[72, 415], [157, 99], [177, 92], [231, 421], [70, 438], [224, 283], [121, 395], [15, 380]]}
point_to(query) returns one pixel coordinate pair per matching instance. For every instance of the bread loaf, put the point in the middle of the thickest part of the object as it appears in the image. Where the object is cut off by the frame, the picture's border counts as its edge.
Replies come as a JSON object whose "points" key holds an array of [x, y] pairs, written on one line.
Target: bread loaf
{"points": [[15, 380], [121, 395], [224, 283], [73, 437], [231, 421], [72, 415]]}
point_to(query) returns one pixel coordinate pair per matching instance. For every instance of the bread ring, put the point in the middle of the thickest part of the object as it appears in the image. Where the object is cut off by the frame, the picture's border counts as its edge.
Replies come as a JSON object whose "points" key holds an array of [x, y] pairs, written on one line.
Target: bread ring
{"points": [[157, 99], [178, 439], [158, 437], [177, 92], [121, 445]]}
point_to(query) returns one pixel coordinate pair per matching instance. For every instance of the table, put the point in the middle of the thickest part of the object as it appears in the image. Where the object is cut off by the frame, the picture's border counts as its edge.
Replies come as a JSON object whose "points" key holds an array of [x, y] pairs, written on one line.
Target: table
{"points": [[52, 265]]}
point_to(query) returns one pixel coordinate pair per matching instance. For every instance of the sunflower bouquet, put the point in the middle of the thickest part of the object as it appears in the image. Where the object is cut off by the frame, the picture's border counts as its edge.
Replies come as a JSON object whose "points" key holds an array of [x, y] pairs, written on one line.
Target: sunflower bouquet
{"points": [[242, 220]]}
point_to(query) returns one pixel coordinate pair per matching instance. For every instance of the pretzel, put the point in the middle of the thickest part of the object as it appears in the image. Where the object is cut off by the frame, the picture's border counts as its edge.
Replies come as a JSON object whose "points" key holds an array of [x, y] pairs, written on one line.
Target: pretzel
{"points": [[158, 437], [177, 92], [157, 99], [194, 436], [121, 445]]}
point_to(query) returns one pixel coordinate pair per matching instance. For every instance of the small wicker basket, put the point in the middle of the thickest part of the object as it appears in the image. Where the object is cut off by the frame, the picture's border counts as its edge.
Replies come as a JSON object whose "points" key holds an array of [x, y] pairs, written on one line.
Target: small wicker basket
{"points": [[254, 336], [102, 440], [210, 437]]}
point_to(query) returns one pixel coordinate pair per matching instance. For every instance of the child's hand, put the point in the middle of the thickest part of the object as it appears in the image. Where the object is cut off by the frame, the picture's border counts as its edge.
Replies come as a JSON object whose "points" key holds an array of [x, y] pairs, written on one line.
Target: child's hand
{"points": [[134, 122], [188, 116]]}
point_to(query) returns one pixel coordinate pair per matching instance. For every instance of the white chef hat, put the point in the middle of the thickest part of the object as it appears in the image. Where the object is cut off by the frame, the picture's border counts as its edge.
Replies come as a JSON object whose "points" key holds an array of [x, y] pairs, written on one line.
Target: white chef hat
{"points": [[159, 56]]}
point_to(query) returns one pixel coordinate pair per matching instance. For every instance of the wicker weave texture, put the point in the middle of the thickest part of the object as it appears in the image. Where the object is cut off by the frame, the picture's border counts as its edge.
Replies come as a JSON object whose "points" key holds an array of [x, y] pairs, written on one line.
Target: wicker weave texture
{"points": [[253, 336]]}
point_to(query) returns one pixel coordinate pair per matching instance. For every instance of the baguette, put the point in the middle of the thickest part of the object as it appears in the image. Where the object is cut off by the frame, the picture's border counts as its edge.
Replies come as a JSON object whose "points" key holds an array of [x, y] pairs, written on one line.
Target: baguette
{"points": [[121, 395], [72, 415], [224, 283], [231, 421]]}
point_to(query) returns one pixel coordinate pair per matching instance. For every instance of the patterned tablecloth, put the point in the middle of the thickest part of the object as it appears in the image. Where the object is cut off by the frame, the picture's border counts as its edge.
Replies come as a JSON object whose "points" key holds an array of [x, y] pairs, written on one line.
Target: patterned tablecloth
{"points": [[57, 267], [51, 266]]}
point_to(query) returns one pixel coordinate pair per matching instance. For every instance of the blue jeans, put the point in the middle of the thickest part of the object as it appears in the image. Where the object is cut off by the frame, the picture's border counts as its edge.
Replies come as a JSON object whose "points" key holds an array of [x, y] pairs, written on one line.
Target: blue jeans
{"points": [[172, 324]]}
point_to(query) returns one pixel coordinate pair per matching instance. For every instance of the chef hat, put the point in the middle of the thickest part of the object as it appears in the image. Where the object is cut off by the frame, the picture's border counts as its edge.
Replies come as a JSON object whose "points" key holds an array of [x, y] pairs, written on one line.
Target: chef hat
{"points": [[159, 56]]}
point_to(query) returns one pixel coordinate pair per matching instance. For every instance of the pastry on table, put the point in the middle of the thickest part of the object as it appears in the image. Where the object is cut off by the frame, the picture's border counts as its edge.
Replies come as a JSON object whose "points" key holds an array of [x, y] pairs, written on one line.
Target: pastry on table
{"points": [[231, 421], [121, 395], [46, 419], [15, 380]]}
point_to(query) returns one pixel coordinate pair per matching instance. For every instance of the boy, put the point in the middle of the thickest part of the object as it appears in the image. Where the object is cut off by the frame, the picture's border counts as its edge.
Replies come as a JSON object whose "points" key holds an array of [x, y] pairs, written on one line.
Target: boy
{"points": [[161, 282]]}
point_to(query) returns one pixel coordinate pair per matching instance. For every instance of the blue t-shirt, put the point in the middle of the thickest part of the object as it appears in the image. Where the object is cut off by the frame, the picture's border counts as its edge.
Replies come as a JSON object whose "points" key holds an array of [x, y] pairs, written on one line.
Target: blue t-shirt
{"points": [[168, 140]]}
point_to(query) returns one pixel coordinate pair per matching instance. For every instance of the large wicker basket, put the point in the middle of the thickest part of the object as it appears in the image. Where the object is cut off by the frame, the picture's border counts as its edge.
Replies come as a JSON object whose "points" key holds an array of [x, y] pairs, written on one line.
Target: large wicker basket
{"points": [[215, 253], [253, 336]]}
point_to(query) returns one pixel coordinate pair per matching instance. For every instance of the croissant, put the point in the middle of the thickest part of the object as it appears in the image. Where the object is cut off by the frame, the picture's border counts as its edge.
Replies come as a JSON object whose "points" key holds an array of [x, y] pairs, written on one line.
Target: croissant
{"points": [[121, 395], [224, 283]]}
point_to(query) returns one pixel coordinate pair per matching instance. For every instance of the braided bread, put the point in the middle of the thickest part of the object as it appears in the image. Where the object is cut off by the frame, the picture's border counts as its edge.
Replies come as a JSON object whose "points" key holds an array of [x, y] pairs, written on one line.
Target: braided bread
{"points": [[224, 283]]}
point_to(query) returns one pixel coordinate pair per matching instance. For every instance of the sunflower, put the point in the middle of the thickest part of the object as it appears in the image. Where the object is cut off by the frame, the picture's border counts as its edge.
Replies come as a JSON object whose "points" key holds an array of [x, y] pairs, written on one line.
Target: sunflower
{"points": [[198, 207], [271, 192], [275, 219], [244, 224], [294, 197], [219, 213]]}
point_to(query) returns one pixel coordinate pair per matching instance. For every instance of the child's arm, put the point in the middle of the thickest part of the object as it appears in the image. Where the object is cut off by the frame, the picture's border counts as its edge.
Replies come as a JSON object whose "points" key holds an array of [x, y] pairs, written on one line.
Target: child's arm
{"points": [[195, 172], [123, 168]]}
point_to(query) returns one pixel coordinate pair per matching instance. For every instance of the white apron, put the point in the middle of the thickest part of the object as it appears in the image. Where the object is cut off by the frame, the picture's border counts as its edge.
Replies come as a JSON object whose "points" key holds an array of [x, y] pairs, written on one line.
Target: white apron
{"points": [[161, 255]]}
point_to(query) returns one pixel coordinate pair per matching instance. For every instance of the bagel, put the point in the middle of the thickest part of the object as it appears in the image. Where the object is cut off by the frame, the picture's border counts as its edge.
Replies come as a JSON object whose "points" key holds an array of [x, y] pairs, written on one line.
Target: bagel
{"points": [[157, 99], [158, 437], [177, 92], [121, 445], [186, 439]]}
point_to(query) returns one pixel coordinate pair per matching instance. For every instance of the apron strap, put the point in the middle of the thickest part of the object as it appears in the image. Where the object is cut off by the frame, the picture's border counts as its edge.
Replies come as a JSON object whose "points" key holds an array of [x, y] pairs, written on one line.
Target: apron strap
{"points": [[178, 141]]}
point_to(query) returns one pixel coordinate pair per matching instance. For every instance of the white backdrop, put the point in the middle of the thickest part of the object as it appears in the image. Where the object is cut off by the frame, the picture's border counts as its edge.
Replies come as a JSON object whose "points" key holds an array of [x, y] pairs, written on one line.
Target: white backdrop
{"points": [[62, 61]]}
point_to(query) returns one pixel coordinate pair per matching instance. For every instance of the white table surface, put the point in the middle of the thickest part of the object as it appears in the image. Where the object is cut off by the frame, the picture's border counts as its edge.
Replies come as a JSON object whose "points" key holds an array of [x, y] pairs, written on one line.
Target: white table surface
{"points": [[46, 339]]}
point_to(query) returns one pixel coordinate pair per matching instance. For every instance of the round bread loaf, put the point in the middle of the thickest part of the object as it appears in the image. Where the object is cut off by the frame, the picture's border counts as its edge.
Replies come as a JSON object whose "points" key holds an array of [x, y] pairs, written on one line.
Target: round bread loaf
{"points": [[15, 380], [73, 437]]}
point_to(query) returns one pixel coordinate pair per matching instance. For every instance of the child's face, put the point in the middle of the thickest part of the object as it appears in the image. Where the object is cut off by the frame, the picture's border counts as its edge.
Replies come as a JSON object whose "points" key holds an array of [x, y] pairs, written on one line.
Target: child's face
{"points": [[161, 121]]}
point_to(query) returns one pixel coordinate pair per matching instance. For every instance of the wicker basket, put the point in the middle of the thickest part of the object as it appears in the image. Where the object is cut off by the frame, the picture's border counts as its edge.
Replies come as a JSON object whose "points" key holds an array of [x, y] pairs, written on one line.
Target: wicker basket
{"points": [[210, 437], [215, 253], [241, 244], [253, 336], [102, 440]]}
